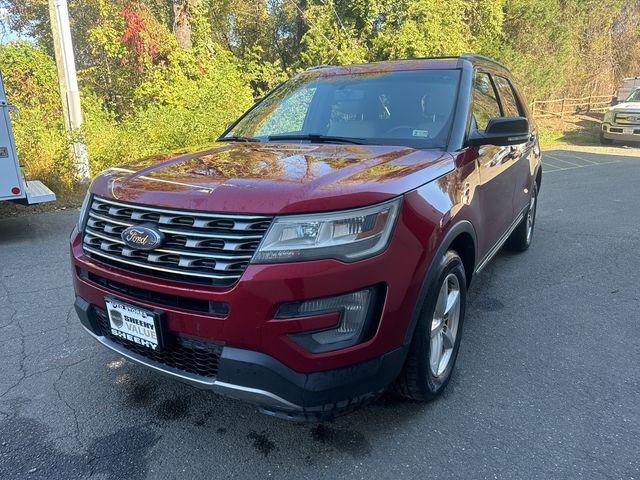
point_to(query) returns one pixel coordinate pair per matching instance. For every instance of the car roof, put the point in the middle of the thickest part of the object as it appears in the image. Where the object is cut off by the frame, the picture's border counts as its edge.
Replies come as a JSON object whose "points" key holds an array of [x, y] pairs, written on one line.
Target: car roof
{"points": [[409, 64]]}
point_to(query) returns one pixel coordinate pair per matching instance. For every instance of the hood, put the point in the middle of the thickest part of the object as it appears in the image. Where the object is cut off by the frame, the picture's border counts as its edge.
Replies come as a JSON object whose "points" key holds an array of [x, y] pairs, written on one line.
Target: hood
{"points": [[268, 178], [631, 106]]}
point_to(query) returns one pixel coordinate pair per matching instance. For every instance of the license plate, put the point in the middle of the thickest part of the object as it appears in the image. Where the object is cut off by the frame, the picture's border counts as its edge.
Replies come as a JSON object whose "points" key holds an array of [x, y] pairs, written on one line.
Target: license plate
{"points": [[628, 131], [133, 323]]}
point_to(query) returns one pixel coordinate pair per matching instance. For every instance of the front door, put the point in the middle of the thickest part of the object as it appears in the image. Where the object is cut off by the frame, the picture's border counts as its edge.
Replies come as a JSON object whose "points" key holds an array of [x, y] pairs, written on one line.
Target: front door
{"points": [[512, 107], [495, 165]]}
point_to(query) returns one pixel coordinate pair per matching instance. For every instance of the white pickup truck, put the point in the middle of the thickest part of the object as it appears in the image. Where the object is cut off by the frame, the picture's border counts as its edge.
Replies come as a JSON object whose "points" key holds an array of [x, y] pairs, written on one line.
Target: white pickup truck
{"points": [[622, 121], [13, 186]]}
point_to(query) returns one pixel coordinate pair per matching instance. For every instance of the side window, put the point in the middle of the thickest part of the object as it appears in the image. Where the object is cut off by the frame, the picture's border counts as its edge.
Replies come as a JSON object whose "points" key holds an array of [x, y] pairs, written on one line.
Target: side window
{"points": [[510, 104], [485, 101]]}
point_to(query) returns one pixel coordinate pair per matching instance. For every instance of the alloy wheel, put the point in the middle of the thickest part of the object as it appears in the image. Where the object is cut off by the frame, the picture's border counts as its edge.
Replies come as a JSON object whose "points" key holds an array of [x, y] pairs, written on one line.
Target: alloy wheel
{"points": [[444, 325]]}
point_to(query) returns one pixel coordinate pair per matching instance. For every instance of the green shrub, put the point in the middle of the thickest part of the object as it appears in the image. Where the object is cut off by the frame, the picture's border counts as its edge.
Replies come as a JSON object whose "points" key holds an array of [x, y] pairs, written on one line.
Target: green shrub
{"points": [[186, 103], [31, 83]]}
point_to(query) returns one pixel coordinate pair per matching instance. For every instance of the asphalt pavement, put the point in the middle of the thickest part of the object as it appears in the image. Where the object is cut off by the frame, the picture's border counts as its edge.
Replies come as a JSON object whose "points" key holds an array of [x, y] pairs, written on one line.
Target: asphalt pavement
{"points": [[547, 384]]}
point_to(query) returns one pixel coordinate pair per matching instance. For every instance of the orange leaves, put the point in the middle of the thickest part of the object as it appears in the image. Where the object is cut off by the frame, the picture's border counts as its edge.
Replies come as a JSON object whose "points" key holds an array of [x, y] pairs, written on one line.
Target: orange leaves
{"points": [[142, 36]]}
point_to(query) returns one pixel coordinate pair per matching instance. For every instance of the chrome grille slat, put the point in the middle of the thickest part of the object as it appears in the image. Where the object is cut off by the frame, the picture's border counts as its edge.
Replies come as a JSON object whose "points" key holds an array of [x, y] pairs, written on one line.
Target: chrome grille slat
{"points": [[182, 212], [200, 254], [179, 232], [198, 246], [226, 243], [623, 118]]}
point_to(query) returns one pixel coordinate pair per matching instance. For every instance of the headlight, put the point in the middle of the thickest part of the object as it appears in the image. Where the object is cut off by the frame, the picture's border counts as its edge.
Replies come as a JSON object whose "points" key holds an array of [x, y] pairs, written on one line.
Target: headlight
{"points": [[83, 211], [348, 236], [608, 117]]}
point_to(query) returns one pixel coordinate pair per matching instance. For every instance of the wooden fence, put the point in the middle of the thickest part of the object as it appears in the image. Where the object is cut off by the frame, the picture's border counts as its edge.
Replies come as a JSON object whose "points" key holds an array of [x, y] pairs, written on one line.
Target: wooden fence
{"points": [[570, 106]]}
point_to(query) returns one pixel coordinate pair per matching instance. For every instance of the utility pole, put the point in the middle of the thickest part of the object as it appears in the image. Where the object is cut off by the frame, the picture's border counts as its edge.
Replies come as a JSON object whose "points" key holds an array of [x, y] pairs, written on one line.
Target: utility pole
{"points": [[68, 82]]}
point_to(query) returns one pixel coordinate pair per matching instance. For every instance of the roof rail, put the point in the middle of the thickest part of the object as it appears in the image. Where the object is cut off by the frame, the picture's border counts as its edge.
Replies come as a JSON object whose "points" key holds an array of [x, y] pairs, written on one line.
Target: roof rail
{"points": [[434, 57], [465, 56], [473, 56], [317, 67]]}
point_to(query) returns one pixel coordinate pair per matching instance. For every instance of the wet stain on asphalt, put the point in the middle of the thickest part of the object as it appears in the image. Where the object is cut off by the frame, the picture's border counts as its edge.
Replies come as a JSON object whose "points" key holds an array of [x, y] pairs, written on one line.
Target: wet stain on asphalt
{"points": [[487, 304], [122, 454], [176, 408], [139, 394], [262, 443], [347, 441]]}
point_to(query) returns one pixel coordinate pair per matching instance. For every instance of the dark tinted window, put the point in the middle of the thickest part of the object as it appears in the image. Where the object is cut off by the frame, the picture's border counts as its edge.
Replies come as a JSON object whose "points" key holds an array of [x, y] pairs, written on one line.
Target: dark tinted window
{"points": [[413, 108], [485, 101], [507, 95]]}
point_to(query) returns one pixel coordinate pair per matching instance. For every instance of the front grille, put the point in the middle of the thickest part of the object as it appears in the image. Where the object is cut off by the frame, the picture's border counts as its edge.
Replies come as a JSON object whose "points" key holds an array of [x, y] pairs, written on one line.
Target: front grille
{"points": [[184, 303], [207, 248], [193, 356], [628, 118]]}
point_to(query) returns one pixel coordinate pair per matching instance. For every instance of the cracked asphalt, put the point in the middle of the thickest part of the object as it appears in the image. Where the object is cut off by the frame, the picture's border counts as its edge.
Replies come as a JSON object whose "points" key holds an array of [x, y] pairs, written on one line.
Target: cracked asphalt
{"points": [[547, 382]]}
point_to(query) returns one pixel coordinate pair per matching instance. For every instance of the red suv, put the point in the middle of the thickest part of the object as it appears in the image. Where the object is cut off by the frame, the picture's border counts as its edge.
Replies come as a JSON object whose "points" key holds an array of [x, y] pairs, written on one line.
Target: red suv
{"points": [[322, 251]]}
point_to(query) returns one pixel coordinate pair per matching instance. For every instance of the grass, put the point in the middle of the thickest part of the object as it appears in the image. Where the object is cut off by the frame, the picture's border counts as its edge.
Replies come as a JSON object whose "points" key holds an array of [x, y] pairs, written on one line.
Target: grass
{"points": [[576, 130]]}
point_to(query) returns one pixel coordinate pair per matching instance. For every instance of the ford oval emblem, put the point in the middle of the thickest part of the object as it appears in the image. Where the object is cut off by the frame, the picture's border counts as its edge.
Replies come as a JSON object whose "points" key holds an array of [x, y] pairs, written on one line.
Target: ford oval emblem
{"points": [[142, 237]]}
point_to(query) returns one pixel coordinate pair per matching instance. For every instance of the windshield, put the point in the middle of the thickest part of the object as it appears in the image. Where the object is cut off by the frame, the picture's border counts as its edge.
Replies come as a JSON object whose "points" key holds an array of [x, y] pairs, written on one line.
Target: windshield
{"points": [[634, 97], [412, 108]]}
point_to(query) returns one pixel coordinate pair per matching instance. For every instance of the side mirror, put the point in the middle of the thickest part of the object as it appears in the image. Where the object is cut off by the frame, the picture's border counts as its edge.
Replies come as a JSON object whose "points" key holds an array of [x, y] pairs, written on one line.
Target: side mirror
{"points": [[501, 132]]}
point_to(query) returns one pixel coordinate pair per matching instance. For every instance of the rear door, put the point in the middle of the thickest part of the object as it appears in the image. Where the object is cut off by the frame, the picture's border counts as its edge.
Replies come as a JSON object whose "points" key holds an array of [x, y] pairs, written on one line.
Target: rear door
{"points": [[494, 164], [519, 156]]}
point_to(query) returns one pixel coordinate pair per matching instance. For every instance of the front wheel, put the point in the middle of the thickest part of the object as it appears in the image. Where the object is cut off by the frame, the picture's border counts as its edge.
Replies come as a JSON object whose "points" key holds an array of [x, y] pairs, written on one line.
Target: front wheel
{"points": [[436, 340], [520, 239], [604, 140]]}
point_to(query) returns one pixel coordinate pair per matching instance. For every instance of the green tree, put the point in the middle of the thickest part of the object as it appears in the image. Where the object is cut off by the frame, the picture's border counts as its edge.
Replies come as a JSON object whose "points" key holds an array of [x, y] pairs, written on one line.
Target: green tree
{"points": [[419, 28]]}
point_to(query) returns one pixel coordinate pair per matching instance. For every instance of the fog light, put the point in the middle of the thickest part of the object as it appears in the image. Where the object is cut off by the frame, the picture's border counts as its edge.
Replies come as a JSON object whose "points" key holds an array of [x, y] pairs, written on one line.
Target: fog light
{"points": [[356, 309]]}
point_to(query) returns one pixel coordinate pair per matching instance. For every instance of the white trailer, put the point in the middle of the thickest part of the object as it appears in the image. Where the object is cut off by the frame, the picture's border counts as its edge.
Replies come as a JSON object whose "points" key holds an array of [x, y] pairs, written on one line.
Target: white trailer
{"points": [[13, 186]]}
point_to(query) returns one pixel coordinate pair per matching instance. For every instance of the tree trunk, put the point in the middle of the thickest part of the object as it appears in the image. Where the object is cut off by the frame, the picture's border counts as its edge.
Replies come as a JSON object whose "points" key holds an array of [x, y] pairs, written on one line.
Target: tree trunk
{"points": [[181, 24]]}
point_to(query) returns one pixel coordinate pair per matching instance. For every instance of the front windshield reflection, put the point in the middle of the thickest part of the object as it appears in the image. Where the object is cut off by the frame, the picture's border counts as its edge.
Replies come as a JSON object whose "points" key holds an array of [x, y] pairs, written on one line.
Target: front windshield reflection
{"points": [[410, 108]]}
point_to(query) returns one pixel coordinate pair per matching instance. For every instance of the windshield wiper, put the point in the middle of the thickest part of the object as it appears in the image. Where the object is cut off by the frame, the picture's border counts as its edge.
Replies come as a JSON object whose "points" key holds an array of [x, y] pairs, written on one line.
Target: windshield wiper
{"points": [[238, 138], [316, 137]]}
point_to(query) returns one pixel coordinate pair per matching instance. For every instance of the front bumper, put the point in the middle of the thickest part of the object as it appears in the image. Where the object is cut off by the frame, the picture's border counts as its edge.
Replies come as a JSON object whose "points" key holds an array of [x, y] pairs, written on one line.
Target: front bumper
{"points": [[262, 380], [616, 132]]}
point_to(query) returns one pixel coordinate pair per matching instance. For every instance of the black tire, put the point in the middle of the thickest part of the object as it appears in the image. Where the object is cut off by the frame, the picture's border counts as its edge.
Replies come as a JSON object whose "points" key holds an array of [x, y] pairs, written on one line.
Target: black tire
{"points": [[605, 141], [417, 380], [520, 239]]}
